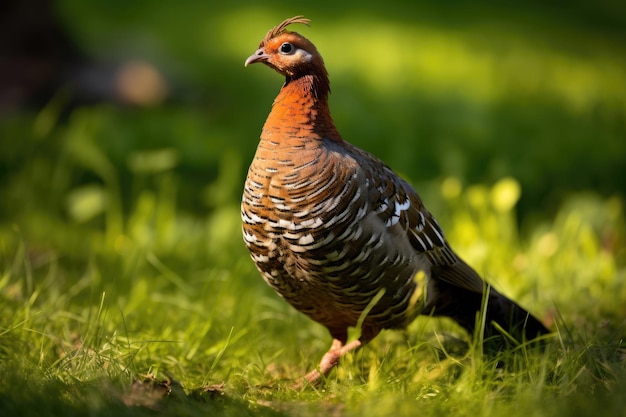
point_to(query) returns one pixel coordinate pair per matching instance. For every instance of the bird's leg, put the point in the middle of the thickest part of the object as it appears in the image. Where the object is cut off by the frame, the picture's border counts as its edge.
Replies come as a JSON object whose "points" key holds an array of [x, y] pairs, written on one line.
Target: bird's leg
{"points": [[331, 358]]}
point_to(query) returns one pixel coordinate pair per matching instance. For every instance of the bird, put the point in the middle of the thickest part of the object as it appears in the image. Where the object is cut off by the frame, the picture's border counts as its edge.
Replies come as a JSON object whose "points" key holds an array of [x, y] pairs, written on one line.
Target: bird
{"points": [[338, 234]]}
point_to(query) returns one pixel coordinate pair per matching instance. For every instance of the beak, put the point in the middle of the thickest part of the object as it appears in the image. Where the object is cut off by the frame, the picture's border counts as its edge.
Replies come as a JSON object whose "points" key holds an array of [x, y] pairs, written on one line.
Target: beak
{"points": [[258, 56]]}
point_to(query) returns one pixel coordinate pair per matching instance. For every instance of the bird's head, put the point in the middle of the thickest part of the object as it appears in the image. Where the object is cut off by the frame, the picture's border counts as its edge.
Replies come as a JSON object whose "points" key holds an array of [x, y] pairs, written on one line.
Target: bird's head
{"points": [[289, 53]]}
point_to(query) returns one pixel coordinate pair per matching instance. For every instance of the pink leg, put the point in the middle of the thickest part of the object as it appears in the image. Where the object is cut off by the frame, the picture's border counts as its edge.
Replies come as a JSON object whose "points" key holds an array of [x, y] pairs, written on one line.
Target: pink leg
{"points": [[331, 358]]}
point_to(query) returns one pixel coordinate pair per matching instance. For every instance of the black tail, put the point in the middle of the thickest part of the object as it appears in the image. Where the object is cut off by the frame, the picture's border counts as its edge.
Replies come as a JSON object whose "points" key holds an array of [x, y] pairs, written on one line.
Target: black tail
{"points": [[463, 306], [516, 321]]}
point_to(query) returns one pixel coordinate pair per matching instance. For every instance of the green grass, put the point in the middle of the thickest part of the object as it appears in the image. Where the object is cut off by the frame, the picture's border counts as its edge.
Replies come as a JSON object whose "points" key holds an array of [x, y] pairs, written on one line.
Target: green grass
{"points": [[125, 287], [78, 329]]}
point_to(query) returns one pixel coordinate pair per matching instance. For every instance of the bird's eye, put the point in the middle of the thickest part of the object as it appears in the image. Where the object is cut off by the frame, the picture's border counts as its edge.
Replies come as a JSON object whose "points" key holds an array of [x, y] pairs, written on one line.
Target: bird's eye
{"points": [[286, 48]]}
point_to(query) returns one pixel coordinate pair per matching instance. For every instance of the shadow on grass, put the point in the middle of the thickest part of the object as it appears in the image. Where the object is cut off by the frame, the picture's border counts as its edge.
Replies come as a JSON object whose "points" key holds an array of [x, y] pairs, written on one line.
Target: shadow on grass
{"points": [[146, 397]]}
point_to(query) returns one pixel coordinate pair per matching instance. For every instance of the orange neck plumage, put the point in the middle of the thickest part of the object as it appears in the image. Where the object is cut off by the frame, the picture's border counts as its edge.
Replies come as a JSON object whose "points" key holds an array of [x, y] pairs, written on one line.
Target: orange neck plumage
{"points": [[301, 110]]}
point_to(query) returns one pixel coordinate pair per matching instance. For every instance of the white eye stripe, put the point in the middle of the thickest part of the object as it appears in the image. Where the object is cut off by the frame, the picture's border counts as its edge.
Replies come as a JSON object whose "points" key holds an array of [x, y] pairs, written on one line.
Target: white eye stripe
{"points": [[302, 55]]}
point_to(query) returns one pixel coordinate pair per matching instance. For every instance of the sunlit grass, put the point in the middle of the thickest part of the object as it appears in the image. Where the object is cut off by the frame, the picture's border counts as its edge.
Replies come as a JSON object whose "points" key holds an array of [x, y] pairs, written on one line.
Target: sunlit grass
{"points": [[137, 306]]}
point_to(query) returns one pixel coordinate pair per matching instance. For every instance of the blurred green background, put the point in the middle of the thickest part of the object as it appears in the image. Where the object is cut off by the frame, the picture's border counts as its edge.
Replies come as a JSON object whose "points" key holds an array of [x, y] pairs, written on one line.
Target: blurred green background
{"points": [[131, 93], [126, 128], [134, 122], [124, 119]]}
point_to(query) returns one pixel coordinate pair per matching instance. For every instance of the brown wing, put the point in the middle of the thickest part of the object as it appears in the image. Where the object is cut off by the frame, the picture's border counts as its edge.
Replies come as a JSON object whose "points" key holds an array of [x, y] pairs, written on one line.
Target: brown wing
{"points": [[427, 237], [398, 203]]}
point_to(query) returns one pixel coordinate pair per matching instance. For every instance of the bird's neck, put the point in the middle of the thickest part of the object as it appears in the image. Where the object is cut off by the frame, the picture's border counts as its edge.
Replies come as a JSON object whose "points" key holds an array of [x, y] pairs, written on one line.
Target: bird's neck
{"points": [[300, 111]]}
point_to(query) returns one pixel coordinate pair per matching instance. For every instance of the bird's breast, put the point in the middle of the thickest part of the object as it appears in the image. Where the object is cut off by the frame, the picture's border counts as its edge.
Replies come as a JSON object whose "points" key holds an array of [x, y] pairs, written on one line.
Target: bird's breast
{"points": [[310, 228], [300, 206], [297, 193]]}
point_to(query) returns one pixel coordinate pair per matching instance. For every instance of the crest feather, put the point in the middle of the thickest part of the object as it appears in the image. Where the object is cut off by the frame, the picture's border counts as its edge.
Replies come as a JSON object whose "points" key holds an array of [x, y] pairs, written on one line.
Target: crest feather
{"points": [[277, 30]]}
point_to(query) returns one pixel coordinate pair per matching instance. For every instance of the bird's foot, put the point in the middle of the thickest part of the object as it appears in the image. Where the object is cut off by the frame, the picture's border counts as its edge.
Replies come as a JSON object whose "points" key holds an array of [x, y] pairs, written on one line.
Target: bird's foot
{"points": [[328, 362]]}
